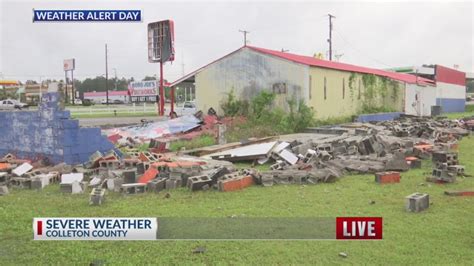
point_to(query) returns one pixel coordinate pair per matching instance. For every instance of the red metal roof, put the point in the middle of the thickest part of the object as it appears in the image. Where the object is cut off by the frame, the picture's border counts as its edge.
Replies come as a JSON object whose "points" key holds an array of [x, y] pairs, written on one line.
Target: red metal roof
{"points": [[103, 93], [311, 61]]}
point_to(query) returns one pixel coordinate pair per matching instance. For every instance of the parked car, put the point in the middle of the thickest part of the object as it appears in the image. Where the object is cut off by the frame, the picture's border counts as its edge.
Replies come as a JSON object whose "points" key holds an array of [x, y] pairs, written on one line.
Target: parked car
{"points": [[118, 102], [87, 102], [188, 108], [77, 101], [10, 104]]}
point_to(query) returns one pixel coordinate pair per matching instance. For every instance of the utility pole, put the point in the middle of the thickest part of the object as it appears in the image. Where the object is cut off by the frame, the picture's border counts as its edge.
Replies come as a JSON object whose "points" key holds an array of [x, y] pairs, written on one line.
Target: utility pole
{"points": [[115, 72], [106, 78], [330, 36], [245, 36]]}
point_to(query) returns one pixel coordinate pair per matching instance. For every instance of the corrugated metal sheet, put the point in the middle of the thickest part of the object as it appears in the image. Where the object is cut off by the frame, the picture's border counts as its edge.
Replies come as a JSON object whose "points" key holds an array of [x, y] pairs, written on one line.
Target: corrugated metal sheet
{"points": [[451, 76]]}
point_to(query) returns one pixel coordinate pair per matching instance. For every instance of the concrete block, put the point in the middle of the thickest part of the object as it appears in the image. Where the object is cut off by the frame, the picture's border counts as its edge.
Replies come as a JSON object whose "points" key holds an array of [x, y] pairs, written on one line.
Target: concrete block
{"points": [[97, 196], [172, 184], [417, 202], [156, 185], [142, 167], [387, 177], [133, 188], [40, 181], [3, 190], [129, 177], [197, 182], [22, 169]]}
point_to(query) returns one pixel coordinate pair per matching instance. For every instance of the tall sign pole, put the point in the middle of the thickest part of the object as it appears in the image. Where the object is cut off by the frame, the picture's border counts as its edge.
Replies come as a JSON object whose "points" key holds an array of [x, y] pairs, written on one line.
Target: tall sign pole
{"points": [[72, 88], [69, 65], [162, 91], [65, 87], [161, 50]]}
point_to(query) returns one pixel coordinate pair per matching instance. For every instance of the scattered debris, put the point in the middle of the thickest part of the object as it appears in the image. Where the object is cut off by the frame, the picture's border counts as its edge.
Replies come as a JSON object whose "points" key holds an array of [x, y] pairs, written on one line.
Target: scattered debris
{"points": [[343, 254], [199, 250]]}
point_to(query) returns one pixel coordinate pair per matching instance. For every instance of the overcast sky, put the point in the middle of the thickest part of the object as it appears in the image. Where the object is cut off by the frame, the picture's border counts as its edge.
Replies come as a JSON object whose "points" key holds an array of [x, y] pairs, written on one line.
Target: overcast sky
{"points": [[379, 35]]}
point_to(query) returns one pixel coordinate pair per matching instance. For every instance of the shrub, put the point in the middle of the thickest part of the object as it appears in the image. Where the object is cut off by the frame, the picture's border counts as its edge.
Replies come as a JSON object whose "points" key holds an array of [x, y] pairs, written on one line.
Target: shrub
{"points": [[234, 107]]}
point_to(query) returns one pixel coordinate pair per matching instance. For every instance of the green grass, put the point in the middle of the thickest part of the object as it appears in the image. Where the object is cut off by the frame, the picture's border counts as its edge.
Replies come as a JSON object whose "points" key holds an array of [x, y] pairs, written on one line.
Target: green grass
{"points": [[441, 235], [469, 111], [198, 142]]}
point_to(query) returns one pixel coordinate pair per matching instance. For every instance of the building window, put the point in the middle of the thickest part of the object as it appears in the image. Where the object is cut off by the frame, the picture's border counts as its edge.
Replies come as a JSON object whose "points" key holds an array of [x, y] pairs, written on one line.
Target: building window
{"points": [[279, 88], [358, 94], [343, 88], [310, 86], [325, 90]]}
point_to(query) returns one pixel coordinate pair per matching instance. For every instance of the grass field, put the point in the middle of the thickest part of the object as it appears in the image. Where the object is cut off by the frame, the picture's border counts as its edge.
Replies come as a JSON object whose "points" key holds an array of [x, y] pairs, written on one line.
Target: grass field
{"points": [[442, 235]]}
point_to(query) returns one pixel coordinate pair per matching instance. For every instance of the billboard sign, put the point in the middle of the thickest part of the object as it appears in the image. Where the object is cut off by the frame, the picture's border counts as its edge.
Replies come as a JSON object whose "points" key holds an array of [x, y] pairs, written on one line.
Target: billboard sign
{"points": [[143, 91], [69, 64], [161, 41]]}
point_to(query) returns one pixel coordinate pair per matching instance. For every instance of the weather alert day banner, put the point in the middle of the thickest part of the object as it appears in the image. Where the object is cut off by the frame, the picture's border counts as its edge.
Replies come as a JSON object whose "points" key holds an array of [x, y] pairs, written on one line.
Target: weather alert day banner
{"points": [[87, 15], [95, 228], [206, 228]]}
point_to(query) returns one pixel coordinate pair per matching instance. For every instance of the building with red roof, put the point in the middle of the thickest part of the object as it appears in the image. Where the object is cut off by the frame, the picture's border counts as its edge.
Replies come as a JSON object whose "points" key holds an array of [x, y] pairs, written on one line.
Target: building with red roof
{"points": [[332, 89]]}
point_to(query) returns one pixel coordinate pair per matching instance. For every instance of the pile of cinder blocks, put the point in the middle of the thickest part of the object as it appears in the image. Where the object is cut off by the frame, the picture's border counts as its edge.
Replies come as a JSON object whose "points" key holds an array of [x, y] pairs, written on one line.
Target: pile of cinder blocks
{"points": [[446, 167]]}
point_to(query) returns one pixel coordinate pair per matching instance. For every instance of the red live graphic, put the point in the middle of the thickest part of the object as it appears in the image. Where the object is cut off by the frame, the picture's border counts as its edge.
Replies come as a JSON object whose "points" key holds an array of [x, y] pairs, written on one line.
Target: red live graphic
{"points": [[39, 228], [355, 228]]}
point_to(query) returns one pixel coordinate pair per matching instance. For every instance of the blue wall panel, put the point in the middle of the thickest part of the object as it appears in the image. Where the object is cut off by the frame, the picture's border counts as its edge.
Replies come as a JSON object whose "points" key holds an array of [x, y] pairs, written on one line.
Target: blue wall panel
{"points": [[49, 132], [378, 117], [451, 105]]}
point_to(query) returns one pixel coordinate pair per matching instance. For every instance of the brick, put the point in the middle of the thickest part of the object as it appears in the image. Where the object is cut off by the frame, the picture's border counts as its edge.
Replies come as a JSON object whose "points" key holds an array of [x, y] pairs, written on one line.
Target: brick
{"points": [[5, 166], [150, 174], [387, 177], [460, 193]]}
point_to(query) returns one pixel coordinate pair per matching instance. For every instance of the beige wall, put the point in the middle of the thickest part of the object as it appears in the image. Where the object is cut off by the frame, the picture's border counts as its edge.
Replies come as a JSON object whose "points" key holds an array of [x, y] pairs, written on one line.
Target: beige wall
{"points": [[337, 105], [248, 72]]}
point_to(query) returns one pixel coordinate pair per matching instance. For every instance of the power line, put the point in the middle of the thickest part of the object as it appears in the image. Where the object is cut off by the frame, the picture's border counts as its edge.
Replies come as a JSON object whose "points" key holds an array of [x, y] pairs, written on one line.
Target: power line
{"points": [[359, 51]]}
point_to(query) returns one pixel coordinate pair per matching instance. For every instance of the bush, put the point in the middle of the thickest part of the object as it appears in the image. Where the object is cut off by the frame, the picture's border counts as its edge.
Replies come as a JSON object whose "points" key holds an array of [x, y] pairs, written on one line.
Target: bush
{"points": [[266, 120], [234, 107]]}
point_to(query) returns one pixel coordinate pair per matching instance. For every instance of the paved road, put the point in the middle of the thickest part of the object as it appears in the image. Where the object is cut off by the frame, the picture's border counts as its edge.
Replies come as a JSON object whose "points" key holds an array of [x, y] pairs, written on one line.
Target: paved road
{"points": [[107, 122]]}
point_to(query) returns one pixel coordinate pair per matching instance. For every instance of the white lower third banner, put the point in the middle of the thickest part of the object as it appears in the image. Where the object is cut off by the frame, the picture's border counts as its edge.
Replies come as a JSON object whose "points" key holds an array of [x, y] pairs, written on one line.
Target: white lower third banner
{"points": [[95, 228]]}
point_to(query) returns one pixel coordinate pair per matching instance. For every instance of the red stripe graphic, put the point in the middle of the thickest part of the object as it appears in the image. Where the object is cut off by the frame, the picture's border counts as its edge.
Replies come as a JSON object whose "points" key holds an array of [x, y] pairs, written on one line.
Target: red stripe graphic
{"points": [[39, 228]]}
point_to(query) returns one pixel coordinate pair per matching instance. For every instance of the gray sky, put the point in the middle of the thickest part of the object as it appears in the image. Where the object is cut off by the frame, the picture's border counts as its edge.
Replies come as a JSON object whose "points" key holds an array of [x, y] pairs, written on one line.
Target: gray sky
{"points": [[379, 35]]}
